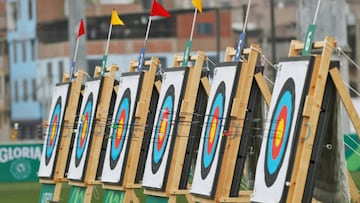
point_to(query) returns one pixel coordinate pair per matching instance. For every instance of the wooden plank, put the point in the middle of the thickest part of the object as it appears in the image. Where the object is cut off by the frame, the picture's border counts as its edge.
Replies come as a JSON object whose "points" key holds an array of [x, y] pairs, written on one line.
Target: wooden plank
{"points": [[346, 99], [264, 89], [187, 109], [100, 125], [141, 116], [237, 119], [206, 85], [304, 148], [57, 191], [69, 122], [155, 193]]}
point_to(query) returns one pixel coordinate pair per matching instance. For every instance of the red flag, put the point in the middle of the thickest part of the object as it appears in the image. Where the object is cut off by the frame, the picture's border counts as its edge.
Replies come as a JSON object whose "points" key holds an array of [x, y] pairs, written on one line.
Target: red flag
{"points": [[158, 10], [81, 28]]}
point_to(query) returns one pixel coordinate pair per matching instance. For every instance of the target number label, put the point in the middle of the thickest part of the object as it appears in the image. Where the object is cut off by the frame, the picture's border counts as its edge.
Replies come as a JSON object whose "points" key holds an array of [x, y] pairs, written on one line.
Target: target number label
{"points": [[84, 127], [120, 128], [163, 129], [279, 132], [212, 131]]}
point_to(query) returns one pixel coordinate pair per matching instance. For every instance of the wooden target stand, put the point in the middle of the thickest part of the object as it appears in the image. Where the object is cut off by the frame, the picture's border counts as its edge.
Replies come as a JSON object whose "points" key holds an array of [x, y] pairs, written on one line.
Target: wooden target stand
{"points": [[100, 120], [66, 134], [251, 82], [195, 79], [149, 84], [312, 108]]}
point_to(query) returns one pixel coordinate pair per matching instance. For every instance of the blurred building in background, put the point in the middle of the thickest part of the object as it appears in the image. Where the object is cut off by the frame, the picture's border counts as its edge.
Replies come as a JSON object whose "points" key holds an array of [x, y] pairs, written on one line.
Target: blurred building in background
{"points": [[39, 32], [23, 50], [4, 78]]}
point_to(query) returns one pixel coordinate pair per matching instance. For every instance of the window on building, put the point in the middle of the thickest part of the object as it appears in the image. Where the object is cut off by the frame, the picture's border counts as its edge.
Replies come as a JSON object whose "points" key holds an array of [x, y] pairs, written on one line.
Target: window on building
{"points": [[204, 29], [33, 49], [15, 51], [25, 92], [23, 50], [33, 89], [16, 91], [49, 72], [61, 70], [30, 9]]}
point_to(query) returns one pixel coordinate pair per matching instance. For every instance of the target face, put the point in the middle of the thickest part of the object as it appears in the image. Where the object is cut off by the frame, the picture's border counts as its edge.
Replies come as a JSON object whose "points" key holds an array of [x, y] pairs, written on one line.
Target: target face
{"points": [[120, 129], [53, 131], [212, 133], [164, 132], [84, 130], [278, 135], [282, 129], [118, 144], [162, 129], [217, 109]]}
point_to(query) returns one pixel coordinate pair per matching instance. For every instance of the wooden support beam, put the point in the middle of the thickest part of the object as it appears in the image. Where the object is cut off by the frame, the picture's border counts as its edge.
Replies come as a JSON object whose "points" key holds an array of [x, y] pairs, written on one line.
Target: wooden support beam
{"points": [[346, 99], [141, 116], [100, 125], [263, 88], [237, 119], [186, 116], [304, 148]]}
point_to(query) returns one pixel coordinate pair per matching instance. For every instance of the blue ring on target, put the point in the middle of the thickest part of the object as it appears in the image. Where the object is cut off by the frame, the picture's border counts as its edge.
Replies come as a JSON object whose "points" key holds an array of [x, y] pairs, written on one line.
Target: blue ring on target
{"points": [[213, 130], [279, 131], [163, 129], [120, 128], [53, 131], [83, 130]]}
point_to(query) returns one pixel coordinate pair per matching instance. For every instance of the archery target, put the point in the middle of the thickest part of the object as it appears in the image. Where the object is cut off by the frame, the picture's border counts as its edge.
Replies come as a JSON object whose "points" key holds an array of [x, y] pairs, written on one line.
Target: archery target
{"points": [[166, 113], [284, 111], [120, 133], [213, 128], [52, 137], [278, 135], [84, 130]]}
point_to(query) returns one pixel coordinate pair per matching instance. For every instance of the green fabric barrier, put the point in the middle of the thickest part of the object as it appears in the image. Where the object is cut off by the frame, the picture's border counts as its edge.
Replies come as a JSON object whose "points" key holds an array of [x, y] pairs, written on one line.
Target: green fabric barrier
{"points": [[19, 162]]}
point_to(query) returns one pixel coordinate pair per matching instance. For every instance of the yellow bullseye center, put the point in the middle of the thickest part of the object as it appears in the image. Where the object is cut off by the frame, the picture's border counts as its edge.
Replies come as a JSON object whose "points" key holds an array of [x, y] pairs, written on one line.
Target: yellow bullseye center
{"points": [[53, 131], [213, 130], [83, 134], [120, 128], [279, 132], [162, 129]]}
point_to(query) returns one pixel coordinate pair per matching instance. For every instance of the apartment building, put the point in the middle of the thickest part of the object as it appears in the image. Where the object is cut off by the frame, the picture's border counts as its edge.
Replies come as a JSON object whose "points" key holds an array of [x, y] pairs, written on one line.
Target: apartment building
{"points": [[22, 44]]}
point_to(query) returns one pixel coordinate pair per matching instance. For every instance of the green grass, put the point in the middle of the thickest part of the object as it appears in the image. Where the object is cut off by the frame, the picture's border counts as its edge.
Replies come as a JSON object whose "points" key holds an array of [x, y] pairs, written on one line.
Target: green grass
{"points": [[30, 192]]}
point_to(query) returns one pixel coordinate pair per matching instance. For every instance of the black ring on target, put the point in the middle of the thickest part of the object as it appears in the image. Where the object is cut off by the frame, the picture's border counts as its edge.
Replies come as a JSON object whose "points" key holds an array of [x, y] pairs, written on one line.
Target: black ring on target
{"points": [[279, 131], [120, 128], [212, 132], [53, 131], [83, 131], [162, 129]]}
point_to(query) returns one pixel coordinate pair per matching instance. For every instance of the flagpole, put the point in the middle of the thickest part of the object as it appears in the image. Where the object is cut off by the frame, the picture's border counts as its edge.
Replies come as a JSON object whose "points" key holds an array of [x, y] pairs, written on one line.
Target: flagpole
{"points": [[188, 44], [193, 24], [143, 50], [147, 31], [241, 42], [106, 52], [74, 59]]}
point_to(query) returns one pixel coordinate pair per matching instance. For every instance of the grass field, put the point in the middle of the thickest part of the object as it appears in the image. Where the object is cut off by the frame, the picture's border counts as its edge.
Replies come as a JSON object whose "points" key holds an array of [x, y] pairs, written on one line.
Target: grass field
{"points": [[29, 192]]}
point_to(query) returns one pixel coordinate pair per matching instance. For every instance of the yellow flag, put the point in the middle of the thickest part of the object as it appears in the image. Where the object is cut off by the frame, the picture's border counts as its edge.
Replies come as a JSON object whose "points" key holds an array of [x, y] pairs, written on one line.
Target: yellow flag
{"points": [[115, 19], [197, 4]]}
